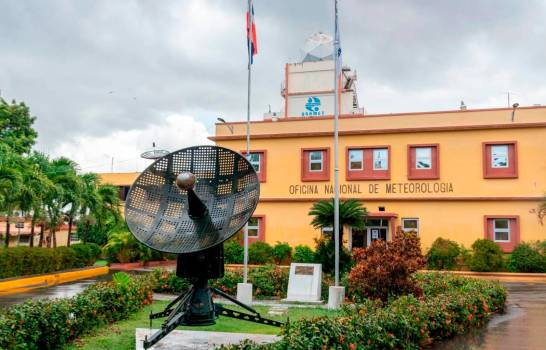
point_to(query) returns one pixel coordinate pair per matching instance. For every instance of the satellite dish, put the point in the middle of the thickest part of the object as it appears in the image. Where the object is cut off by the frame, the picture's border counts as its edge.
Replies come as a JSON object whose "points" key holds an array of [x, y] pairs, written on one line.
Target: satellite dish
{"points": [[189, 202], [158, 209], [154, 153]]}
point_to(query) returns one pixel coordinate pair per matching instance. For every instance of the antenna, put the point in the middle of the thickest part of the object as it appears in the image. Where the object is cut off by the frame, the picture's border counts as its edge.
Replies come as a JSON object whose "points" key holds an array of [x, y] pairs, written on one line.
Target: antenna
{"points": [[154, 153], [188, 203]]}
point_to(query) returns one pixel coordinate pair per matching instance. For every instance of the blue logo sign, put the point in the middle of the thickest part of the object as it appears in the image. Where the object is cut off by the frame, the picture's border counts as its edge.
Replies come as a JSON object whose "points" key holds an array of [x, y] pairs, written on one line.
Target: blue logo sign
{"points": [[312, 107]]}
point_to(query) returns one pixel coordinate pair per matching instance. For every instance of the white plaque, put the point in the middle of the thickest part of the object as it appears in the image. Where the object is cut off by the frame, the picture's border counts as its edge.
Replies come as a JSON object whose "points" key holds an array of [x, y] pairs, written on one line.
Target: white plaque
{"points": [[304, 282], [375, 234]]}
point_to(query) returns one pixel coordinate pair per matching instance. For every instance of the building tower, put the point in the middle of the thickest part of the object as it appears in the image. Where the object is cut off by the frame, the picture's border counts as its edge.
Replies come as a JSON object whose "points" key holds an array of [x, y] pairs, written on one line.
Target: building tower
{"points": [[308, 89]]}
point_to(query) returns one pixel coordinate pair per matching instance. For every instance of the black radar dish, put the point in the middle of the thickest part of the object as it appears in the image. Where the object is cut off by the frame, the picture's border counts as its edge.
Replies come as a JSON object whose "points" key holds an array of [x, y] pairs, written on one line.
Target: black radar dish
{"points": [[189, 202], [192, 199]]}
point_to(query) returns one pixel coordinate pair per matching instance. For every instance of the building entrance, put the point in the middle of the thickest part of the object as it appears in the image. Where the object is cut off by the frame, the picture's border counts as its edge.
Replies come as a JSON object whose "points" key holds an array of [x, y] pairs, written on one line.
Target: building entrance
{"points": [[375, 229]]}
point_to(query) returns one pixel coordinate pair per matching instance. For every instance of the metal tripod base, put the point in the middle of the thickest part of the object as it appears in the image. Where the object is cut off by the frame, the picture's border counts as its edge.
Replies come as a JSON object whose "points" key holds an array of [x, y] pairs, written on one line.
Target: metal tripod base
{"points": [[196, 308]]}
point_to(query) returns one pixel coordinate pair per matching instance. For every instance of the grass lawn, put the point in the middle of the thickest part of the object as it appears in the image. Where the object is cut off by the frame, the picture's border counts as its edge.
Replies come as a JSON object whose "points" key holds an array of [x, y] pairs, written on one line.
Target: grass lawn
{"points": [[100, 263], [121, 335]]}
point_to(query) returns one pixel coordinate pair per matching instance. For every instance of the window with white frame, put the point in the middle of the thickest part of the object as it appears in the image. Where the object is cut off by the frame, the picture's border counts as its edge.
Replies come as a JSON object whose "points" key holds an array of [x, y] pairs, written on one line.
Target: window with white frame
{"points": [[499, 156], [356, 159], [380, 159], [254, 159], [327, 231], [423, 158], [410, 225], [254, 227], [501, 230], [316, 160]]}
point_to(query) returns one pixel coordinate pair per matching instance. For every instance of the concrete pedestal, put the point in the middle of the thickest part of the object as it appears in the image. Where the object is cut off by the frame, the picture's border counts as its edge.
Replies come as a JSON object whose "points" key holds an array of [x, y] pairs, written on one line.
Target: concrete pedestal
{"points": [[244, 293], [335, 297]]}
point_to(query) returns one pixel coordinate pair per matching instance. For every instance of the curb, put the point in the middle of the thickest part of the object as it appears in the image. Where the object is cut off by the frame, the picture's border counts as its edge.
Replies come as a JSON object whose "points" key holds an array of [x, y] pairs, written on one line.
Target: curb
{"points": [[23, 284]]}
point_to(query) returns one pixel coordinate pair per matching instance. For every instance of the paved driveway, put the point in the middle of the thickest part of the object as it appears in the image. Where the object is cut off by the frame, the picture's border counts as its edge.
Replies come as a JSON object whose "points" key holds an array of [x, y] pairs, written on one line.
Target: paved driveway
{"points": [[523, 326]]}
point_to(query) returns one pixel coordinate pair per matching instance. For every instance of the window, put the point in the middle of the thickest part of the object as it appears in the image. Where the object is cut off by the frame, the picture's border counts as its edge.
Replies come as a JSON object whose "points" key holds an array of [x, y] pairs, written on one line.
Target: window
{"points": [[423, 162], [124, 192], [499, 156], [423, 158], [316, 161], [410, 225], [368, 163], [327, 231], [254, 159], [257, 159], [380, 159], [503, 230], [500, 160], [315, 164], [356, 159], [254, 227]]}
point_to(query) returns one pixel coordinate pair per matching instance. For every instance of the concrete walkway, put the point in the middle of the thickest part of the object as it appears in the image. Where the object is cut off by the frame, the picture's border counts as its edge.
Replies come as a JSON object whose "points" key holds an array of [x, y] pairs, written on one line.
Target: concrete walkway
{"points": [[196, 340]]}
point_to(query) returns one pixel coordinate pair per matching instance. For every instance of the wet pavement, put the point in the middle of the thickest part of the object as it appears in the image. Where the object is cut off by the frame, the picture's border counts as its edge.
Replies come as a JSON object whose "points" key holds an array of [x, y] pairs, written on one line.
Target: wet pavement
{"points": [[523, 326], [65, 290]]}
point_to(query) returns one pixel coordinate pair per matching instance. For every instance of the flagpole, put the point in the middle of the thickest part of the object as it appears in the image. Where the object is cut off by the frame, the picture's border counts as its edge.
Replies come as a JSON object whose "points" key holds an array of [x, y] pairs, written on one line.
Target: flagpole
{"points": [[249, 48], [337, 58]]}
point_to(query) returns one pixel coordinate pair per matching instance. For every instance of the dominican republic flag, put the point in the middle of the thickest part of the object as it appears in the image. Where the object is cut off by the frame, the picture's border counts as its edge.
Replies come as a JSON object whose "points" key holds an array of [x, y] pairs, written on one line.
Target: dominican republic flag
{"points": [[251, 41]]}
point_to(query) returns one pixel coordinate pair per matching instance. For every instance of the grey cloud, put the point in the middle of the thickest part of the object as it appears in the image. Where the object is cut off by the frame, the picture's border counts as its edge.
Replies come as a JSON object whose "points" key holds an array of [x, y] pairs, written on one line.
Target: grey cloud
{"points": [[64, 57]]}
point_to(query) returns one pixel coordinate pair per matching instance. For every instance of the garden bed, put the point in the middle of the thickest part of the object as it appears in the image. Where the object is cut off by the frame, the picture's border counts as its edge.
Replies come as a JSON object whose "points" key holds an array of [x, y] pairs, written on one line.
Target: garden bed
{"points": [[450, 305]]}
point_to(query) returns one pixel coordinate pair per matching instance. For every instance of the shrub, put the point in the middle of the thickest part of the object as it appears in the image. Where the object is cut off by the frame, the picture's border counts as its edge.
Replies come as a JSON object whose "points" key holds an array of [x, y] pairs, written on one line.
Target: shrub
{"points": [[443, 254], [269, 281], [260, 253], [303, 254], [527, 258], [228, 283], [405, 323], [86, 252], [22, 261], [487, 256], [169, 282], [282, 253], [325, 255], [51, 324], [385, 268], [233, 252]]}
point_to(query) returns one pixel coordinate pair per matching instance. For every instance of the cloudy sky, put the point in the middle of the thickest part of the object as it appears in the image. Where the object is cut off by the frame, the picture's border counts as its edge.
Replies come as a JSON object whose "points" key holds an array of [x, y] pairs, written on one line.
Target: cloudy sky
{"points": [[106, 78]]}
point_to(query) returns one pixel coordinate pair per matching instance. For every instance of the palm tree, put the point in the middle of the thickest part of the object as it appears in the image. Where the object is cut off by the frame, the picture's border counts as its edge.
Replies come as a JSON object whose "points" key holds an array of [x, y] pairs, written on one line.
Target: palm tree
{"points": [[90, 201], [10, 183], [123, 245], [109, 205], [62, 173], [351, 214], [35, 186]]}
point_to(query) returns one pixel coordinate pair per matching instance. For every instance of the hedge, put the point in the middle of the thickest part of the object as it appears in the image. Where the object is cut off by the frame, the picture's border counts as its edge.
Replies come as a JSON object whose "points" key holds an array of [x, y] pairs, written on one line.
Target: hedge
{"points": [[452, 305], [22, 261], [51, 324]]}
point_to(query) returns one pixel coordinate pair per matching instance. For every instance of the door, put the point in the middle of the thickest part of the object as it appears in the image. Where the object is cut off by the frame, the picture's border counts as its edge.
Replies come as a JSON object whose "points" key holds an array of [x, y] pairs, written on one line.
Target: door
{"points": [[377, 232]]}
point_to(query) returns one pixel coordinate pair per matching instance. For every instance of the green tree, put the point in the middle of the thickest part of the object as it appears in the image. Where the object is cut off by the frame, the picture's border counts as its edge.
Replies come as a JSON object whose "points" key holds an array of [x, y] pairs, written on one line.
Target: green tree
{"points": [[10, 184], [90, 201], [16, 126], [62, 173], [35, 186], [351, 214]]}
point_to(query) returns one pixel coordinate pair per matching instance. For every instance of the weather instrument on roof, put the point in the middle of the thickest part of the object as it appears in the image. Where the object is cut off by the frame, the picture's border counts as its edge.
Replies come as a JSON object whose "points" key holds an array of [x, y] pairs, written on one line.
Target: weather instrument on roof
{"points": [[189, 202], [154, 153]]}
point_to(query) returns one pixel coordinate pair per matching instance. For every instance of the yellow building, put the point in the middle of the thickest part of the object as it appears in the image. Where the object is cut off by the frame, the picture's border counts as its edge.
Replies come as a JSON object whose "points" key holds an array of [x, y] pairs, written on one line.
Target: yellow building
{"points": [[462, 175]]}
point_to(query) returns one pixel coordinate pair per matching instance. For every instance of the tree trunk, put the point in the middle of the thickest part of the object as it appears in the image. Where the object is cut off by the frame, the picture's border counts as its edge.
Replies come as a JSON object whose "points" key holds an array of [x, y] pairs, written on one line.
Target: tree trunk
{"points": [[54, 238], [69, 231], [31, 243], [49, 237], [7, 232], [41, 242]]}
